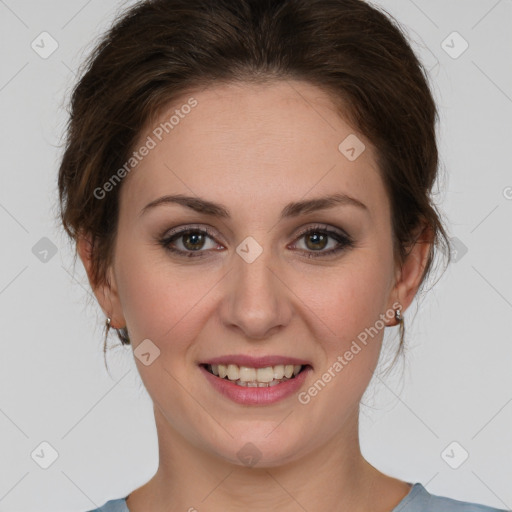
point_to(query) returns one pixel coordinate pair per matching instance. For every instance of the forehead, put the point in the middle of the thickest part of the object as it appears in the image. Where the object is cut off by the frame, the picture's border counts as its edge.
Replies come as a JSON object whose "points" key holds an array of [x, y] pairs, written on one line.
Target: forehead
{"points": [[254, 143]]}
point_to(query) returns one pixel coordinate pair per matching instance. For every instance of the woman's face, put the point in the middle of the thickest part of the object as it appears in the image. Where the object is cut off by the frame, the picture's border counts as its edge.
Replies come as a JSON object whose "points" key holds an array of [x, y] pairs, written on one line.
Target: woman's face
{"points": [[255, 285]]}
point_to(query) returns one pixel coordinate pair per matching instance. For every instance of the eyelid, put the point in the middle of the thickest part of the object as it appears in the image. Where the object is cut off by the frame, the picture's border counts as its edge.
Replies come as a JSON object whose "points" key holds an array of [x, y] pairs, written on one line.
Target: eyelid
{"points": [[323, 227], [192, 227], [214, 234], [343, 240]]}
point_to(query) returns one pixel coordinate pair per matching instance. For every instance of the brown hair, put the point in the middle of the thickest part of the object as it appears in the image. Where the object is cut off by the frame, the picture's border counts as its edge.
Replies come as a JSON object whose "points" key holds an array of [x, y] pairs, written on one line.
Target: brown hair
{"points": [[160, 49]]}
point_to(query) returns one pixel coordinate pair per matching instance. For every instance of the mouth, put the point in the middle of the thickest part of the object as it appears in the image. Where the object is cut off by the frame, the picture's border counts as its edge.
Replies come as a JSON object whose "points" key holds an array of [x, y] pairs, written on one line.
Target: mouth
{"points": [[245, 376]]}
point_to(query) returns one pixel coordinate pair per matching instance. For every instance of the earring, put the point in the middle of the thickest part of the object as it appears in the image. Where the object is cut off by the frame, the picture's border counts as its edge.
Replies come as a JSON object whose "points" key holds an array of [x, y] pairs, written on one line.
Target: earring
{"points": [[109, 325], [398, 315], [125, 339]]}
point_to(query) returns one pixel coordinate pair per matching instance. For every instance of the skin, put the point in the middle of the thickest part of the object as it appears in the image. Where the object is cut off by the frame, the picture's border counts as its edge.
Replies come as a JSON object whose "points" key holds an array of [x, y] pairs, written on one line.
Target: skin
{"points": [[255, 148]]}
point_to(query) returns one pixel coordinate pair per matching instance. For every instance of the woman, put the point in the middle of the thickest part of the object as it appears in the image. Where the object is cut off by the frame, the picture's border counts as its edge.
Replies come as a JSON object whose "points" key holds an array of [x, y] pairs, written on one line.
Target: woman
{"points": [[248, 186]]}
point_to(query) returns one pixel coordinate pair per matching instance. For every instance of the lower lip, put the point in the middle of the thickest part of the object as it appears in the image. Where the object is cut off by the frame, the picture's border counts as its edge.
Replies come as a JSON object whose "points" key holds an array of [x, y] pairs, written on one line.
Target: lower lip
{"points": [[256, 396]]}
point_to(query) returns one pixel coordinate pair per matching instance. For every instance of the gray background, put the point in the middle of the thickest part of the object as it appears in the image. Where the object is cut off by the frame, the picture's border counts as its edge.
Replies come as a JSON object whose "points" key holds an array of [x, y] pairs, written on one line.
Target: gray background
{"points": [[456, 383]]}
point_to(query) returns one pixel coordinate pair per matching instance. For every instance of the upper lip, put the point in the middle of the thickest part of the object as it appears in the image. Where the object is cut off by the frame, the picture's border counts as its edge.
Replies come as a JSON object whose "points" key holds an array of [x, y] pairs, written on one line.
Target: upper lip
{"points": [[256, 362]]}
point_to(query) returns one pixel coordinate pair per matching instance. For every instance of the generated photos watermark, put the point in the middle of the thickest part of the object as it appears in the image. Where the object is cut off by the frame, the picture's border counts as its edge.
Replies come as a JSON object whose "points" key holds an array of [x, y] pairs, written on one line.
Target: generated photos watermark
{"points": [[158, 133], [305, 397]]}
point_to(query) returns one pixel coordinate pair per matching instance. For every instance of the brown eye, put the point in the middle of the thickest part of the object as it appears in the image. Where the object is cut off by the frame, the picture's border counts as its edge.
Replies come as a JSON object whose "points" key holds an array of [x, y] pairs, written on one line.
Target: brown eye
{"points": [[316, 240], [189, 241], [193, 241]]}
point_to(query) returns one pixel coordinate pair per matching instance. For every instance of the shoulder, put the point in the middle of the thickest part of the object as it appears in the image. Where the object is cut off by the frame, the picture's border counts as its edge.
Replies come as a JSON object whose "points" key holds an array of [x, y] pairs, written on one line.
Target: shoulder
{"points": [[420, 500], [118, 505]]}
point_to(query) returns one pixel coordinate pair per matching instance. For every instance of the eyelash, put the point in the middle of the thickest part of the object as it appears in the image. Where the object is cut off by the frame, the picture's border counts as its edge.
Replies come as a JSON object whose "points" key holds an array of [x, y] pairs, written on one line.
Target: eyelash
{"points": [[344, 240]]}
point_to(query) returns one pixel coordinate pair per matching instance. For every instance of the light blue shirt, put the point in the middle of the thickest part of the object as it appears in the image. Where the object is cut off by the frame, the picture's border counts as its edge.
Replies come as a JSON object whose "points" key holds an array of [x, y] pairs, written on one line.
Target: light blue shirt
{"points": [[418, 500]]}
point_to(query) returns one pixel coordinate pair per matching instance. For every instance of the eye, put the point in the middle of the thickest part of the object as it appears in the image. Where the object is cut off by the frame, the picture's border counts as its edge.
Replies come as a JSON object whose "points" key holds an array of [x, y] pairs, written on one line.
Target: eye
{"points": [[317, 237], [193, 240]]}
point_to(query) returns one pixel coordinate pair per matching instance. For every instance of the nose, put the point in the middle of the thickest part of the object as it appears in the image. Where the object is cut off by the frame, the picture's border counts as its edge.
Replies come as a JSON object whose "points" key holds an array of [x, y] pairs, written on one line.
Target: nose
{"points": [[256, 300]]}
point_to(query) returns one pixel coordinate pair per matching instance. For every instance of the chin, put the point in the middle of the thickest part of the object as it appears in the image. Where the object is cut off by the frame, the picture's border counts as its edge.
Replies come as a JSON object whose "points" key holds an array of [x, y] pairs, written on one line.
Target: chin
{"points": [[263, 450]]}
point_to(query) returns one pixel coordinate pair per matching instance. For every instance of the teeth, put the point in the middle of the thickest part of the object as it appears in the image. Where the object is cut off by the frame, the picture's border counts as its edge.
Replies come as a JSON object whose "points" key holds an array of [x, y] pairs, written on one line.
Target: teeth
{"points": [[258, 384], [255, 377], [245, 374], [288, 371], [233, 372], [278, 371]]}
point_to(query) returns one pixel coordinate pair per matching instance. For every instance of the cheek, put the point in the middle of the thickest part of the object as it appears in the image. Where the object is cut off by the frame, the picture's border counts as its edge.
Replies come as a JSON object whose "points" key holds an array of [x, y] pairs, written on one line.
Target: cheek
{"points": [[163, 301], [158, 299], [347, 299], [349, 311]]}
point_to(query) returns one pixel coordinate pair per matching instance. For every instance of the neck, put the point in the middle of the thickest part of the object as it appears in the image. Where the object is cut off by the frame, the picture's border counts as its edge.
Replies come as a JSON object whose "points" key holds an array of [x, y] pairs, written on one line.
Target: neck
{"points": [[334, 476]]}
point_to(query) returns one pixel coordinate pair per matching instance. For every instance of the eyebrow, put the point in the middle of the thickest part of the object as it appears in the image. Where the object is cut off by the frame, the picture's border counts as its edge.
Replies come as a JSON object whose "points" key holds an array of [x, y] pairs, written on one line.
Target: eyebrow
{"points": [[293, 209]]}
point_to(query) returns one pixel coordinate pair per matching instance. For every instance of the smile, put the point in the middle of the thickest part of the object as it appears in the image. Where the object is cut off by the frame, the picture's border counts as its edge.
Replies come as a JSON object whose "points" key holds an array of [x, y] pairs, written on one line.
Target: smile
{"points": [[255, 386], [255, 377]]}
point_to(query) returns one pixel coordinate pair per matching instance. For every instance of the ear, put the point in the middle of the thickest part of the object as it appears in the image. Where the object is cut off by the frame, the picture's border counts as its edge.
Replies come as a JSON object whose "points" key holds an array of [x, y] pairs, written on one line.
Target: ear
{"points": [[106, 293], [409, 275]]}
